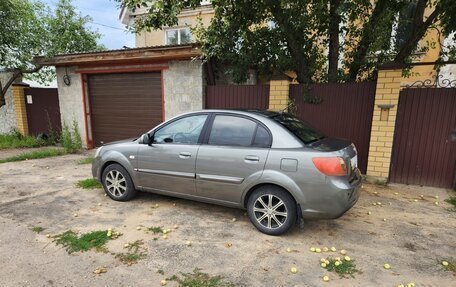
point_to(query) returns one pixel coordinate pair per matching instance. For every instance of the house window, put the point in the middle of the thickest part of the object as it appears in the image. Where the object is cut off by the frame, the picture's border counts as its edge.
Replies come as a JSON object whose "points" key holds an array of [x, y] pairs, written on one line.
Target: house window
{"points": [[178, 36]]}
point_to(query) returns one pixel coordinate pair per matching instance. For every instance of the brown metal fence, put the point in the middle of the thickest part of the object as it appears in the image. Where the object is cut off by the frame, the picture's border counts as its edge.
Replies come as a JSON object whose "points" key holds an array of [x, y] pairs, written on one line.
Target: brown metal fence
{"points": [[237, 97], [43, 111], [345, 111], [423, 150]]}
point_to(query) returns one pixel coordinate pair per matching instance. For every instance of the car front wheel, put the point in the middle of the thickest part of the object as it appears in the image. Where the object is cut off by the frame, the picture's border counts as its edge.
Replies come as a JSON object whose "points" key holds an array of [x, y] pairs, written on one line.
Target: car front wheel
{"points": [[272, 210], [117, 183]]}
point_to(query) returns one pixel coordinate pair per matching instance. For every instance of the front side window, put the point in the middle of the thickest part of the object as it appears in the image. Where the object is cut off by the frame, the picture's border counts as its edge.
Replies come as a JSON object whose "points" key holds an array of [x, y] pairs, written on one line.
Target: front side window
{"points": [[183, 131], [235, 131], [300, 129], [178, 36]]}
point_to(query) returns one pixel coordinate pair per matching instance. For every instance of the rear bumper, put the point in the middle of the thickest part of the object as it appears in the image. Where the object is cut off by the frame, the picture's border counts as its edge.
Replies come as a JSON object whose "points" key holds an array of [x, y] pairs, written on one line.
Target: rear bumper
{"points": [[335, 199]]}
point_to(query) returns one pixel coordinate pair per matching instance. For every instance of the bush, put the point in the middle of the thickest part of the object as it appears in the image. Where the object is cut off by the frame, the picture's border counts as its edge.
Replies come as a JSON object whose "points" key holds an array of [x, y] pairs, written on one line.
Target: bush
{"points": [[71, 139], [15, 139]]}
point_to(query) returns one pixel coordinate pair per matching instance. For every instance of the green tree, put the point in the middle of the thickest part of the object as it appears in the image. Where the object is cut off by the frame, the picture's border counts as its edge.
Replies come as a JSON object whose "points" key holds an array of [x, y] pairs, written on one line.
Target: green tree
{"points": [[310, 37], [31, 29]]}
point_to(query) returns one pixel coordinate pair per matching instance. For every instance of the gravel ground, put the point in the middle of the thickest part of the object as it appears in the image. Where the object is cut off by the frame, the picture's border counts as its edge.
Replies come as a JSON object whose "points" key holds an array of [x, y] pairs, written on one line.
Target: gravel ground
{"points": [[412, 236]]}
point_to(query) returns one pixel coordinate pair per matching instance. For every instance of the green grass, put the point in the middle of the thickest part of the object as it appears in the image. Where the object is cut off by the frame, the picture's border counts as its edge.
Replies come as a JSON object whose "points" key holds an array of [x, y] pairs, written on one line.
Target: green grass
{"points": [[199, 279], [452, 201], [130, 258], [37, 229], [34, 155], [92, 240], [16, 140], [136, 252], [87, 160], [88, 183], [380, 182], [156, 229], [344, 269]]}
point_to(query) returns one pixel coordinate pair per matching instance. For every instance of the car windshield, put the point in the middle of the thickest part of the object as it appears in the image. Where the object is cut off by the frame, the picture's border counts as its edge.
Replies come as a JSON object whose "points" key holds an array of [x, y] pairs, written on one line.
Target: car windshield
{"points": [[300, 129]]}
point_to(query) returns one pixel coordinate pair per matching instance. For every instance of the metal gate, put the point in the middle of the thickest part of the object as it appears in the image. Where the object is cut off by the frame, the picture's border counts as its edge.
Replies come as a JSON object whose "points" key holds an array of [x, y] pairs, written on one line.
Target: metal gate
{"points": [[344, 111], [43, 111], [124, 105], [237, 97], [423, 150]]}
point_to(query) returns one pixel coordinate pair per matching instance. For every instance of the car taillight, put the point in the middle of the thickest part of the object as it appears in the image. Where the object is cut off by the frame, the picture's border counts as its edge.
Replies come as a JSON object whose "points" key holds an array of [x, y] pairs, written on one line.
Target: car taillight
{"points": [[332, 166]]}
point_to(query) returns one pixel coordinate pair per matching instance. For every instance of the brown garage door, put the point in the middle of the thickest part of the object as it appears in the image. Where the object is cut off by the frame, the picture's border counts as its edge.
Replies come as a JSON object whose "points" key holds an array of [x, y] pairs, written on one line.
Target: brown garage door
{"points": [[423, 150], [124, 105]]}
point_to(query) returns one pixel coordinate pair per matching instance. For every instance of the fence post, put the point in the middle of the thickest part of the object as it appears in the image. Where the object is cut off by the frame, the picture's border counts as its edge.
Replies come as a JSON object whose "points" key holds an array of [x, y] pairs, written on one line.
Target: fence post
{"points": [[383, 123], [279, 91], [20, 108]]}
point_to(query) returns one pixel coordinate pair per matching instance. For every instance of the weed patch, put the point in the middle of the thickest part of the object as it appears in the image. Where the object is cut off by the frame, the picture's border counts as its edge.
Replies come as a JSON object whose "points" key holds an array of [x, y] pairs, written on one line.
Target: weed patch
{"points": [[71, 139], [34, 155], [87, 160], [199, 279], [37, 229], [380, 182], [452, 201], [92, 240], [136, 252], [156, 229], [343, 268], [88, 183], [449, 266], [17, 140]]}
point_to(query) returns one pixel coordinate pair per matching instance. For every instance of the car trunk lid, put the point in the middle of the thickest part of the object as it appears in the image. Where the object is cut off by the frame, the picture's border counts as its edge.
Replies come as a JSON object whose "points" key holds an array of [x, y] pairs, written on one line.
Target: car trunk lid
{"points": [[346, 149]]}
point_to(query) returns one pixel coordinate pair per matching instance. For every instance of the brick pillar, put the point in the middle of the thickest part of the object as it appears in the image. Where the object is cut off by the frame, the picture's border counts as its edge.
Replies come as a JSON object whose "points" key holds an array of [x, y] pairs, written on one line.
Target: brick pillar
{"points": [[278, 94], [383, 123], [19, 108]]}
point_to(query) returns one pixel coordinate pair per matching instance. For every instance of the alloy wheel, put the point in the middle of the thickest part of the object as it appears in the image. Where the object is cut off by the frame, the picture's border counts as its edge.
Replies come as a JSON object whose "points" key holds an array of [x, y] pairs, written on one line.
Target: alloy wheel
{"points": [[116, 183], [270, 211]]}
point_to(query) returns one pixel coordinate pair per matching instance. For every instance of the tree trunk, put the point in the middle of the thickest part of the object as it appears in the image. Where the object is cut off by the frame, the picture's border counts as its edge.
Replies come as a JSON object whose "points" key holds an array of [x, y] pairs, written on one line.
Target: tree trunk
{"points": [[296, 49], [367, 38], [5, 88], [8, 84], [333, 54], [419, 30]]}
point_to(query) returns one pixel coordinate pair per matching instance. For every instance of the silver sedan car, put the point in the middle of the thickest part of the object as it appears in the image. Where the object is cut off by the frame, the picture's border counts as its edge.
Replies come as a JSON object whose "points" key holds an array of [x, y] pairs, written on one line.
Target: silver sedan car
{"points": [[272, 164]]}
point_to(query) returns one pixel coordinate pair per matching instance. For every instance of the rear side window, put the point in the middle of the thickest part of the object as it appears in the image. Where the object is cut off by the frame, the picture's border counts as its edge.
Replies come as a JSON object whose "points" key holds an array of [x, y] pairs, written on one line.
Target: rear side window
{"points": [[237, 131], [262, 138]]}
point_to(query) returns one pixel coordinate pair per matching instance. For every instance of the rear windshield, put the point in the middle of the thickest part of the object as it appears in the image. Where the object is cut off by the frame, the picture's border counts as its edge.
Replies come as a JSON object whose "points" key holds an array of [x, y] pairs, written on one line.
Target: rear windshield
{"points": [[300, 129]]}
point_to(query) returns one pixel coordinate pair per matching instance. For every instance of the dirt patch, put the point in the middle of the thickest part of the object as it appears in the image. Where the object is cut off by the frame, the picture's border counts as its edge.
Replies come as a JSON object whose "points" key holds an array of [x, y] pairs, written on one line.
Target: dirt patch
{"points": [[407, 231]]}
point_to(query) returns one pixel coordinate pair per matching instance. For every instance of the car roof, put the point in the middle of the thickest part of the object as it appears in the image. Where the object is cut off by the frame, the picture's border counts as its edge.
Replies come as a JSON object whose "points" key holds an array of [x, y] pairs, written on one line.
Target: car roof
{"points": [[264, 113]]}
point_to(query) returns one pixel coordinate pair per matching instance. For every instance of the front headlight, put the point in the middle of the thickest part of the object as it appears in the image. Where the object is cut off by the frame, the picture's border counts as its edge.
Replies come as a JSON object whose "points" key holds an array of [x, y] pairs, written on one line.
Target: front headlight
{"points": [[98, 151]]}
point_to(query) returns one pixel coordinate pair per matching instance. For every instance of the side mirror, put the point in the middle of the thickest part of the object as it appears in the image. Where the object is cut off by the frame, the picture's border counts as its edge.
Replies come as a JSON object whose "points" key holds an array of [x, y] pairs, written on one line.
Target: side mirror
{"points": [[147, 139]]}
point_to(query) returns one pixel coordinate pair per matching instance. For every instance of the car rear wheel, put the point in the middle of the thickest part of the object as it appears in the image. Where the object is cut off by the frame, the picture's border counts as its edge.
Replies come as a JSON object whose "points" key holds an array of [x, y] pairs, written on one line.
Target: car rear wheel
{"points": [[117, 183], [272, 210]]}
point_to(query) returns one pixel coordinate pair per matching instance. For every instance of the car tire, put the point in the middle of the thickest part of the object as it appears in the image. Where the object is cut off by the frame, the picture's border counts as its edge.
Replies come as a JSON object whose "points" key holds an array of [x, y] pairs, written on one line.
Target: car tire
{"points": [[272, 210], [117, 183]]}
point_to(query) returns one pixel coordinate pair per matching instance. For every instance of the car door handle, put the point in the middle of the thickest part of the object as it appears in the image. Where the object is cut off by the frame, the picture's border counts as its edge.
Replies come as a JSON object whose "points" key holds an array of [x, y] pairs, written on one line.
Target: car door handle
{"points": [[185, 154], [251, 159]]}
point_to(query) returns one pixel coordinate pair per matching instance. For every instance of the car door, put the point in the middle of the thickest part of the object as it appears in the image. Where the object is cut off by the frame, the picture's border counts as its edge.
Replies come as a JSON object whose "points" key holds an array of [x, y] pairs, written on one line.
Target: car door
{"points": [[234, 155], [168, 164]]}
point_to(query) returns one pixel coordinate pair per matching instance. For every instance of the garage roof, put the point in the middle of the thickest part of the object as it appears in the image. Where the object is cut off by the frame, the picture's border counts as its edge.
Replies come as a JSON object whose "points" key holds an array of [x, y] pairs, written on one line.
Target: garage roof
{"points": [[145, 54]]}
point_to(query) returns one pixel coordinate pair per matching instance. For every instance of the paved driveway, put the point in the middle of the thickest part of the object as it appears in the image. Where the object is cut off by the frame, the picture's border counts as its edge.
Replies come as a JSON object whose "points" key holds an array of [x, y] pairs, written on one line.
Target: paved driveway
{"points": [[414, 237]]}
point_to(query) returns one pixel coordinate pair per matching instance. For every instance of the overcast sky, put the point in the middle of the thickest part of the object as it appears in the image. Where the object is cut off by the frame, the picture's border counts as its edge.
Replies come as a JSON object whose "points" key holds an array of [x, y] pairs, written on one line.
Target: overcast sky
{"points": [[105, 15]]}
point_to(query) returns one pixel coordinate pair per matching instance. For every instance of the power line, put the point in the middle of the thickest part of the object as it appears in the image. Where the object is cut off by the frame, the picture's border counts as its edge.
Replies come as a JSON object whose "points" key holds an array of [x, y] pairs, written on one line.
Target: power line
{"points": [[107, 26], [54, 3]]}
